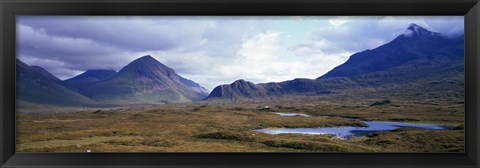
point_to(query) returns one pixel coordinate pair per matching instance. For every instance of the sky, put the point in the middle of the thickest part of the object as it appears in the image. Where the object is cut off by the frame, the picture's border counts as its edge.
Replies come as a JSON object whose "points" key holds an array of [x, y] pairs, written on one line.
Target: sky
{"points": [[212, 50]]}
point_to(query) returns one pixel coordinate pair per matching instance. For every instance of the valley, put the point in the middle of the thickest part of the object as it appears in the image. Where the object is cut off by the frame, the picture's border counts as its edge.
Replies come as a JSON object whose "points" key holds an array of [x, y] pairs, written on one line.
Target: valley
{"points": [[417, 78]]}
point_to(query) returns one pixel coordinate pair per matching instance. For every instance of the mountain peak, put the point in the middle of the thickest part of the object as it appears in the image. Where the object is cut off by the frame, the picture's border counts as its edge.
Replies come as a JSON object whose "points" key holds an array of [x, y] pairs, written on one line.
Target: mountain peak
{"points": [[146, 58], [416, 30], [414, 26], [238, 89], [149, 67], [240, 81], [145, 62]]}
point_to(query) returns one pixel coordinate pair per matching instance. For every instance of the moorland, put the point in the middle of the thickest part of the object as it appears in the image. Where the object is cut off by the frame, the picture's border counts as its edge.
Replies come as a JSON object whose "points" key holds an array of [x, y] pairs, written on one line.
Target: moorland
{"points": [[147, 107]]}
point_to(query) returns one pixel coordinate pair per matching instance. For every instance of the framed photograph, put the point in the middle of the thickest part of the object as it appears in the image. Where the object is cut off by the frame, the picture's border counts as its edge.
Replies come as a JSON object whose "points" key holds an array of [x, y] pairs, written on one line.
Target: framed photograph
{"points": [[255, 83]]}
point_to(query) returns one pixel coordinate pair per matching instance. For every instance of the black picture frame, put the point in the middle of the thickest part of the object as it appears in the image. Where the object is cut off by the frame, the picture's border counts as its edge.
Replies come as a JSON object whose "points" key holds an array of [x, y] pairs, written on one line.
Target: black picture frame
{"points": [[11, 8]]}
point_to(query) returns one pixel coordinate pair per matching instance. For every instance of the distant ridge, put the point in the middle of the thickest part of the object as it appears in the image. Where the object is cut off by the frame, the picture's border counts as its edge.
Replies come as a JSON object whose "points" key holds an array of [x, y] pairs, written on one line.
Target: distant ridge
{"points": [[88, 78], [194, 86], [238, 89], [36, 85]]}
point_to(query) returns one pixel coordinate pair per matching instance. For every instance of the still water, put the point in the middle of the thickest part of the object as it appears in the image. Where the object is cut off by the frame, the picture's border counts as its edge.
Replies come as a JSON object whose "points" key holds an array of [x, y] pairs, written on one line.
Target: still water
{"points": [[348, 132], [292, 114]]}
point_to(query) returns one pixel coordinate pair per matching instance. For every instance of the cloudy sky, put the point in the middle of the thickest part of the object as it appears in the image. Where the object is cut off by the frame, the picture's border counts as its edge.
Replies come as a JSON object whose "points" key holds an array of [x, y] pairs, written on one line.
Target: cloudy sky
{"points": [[212, 50]]}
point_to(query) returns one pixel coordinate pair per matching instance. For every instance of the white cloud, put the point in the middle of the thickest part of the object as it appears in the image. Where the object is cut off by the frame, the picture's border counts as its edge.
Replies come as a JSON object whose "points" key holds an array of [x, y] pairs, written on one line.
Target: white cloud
{"points": [[338, 21], [260, 58]]}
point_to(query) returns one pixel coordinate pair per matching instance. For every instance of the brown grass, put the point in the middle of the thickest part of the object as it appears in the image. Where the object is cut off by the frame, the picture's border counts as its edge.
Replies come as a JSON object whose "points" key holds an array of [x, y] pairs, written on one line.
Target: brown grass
{"points": [[228, 127]]}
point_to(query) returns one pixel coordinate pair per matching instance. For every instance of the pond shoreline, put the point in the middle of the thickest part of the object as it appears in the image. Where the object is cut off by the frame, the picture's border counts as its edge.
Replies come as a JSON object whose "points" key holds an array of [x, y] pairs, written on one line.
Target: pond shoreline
{"points": [[349, 132]]}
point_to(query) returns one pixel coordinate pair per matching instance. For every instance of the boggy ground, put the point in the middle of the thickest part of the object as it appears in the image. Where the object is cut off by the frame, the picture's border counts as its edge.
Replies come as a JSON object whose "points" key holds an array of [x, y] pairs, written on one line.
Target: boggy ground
{"points": [[226, 126]]}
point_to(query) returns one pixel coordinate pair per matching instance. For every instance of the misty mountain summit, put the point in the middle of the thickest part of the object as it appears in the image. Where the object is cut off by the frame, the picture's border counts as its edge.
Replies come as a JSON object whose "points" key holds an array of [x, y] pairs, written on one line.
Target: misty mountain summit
{"points": [[415, 30], [416, 46]]}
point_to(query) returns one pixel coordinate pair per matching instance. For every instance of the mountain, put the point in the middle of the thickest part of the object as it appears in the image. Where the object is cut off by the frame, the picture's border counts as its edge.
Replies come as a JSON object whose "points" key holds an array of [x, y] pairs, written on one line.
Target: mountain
{"points": [[417, 46], [194, 86], [238, 89], [245, 89], [417, 60], [144, 81], [36, 85], [88, 78], [45, 73]]}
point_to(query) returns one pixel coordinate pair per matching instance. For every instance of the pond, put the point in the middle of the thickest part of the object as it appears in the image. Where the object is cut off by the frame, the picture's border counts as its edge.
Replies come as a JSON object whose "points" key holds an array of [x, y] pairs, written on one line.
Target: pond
{"points": [[349, 132], [283, 114]]}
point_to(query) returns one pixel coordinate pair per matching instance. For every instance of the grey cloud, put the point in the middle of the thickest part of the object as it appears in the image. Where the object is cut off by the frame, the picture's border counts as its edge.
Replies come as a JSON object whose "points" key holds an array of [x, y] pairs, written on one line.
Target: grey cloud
{"points": [[196, 47], [68, 45], [124, 32], [34, 42]]}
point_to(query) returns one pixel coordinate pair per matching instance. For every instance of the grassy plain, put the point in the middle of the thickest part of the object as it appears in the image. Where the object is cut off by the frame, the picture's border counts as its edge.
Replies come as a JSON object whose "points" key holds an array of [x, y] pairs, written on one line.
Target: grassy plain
{"points": [[226, 126]]}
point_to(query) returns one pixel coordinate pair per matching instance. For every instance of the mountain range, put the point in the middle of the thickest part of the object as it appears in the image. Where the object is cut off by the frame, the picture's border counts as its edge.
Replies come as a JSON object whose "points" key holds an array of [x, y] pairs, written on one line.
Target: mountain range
{"points": [[414, 62], [417, 58], [143, 81]]}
